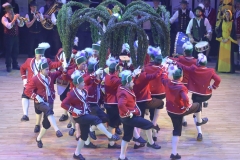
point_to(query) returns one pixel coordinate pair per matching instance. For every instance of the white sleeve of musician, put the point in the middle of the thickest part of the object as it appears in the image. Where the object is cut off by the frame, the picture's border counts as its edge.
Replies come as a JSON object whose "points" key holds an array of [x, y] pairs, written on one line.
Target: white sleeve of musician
{"points": [[6, 23], [53, 19], [191, 15], [20, 23], [174, 17], [41, 10], [189, 27], [208, 26], [27, 17]]}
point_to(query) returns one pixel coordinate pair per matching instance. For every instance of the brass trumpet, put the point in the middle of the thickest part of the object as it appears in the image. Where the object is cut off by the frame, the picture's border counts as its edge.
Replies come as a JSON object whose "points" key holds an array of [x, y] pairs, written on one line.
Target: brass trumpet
{"points": [[23, 19]]}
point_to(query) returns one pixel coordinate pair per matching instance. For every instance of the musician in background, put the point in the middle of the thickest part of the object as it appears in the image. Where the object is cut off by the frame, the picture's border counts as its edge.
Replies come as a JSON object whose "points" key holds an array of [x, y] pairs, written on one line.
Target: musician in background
{"points": [[183, 15], [14, 5], [35, 28], [11, 22], [210, 14], [200, 26], [48, 34]]}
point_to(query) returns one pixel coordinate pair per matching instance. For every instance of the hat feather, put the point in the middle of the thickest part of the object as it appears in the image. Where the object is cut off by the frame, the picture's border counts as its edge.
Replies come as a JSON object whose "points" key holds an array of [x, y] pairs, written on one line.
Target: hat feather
{"points": [[136, 44], [44, 45], [126, 47], [201, 5], [172, 69], [110, 61], [154, 51], [80, 53], [92, 60], [89, 51], [187, 46], [76, 41], [6, 4], [125, 73], [202, 58]]}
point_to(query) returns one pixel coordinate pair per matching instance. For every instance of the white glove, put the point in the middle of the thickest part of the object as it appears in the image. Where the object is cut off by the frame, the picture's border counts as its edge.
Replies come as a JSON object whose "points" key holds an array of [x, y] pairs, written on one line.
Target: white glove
{"points": [[99, 71], [210, 87], [77, 111], [136, 72], [24, 82], [40, 100], [53, 19], [169, 61], [131, 115]]}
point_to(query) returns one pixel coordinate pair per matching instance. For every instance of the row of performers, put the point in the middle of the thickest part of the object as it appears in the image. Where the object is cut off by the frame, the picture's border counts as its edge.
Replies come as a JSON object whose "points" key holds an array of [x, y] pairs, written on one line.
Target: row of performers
{"points": [[127, 95]]}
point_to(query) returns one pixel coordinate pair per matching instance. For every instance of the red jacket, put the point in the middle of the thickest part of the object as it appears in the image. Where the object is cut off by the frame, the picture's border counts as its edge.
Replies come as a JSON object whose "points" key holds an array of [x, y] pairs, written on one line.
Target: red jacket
{"points": [[66, 76], [176, 95], [127, 102], [187, 61], [111, 84], [200, 79], [28, 65], [75, 100], [92, 85], [36, 86], [156, 86], [141, 86]]}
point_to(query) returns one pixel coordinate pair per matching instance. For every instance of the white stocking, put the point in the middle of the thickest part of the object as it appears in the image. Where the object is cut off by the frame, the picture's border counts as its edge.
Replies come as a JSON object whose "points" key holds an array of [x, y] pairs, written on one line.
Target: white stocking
{"points": [[41, 134], [136, 135], [149, 136], [25, 106], [156, 116], [103, 129], [87, 142], [52, 121], [199, 128], [80, 145], [175, 140], [124, 146], [111, 130]]}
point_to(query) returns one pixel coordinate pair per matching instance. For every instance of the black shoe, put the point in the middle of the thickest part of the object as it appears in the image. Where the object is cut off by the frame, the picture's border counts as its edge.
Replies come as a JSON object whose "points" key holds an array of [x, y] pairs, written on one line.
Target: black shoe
{"points": [[91, 145], [199, 137], [123, 159], [79, 157], [139, 140], [115, 146], [154, 139], [9, 69], [16, 67], [63, 118], [92, 135], [37, 129], [204, 121], [59, 134], [118, 131], [156, 128], [114, 137], [139, 146], [184, 124], [173, 157], [24, 118], [71, 132], [154, 146], [69, 125], [39, 143]]}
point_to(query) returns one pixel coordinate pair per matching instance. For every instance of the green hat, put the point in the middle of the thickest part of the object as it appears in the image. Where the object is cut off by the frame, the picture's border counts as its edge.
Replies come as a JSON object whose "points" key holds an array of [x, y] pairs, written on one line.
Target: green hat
{"points": [[158, 59], [92, 67], [96, 46], [184, 2], [77, 80], [41, 48], [40, 51], [43, 65], [112, 67], [126, 77], [80, 59], [177, 74]]}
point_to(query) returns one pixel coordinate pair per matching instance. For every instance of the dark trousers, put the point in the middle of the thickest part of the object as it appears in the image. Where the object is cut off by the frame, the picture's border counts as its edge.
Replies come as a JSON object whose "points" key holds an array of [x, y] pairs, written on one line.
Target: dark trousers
{"points": [[196, 98], [11, 50], [113, 114], [24, 95], [47, 110], [34, 40], [177, 118], [151, 111], [130, 123], [64, 94], [153, 104], [85, 39], [85, 121], [97, 111]]}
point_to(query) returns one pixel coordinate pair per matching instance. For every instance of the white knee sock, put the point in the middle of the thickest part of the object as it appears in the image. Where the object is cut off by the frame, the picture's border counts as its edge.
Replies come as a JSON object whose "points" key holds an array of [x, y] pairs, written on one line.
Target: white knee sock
{"points": [[25, 106], [156, 116], [73, 123], [198, 116], [103, 129], [41, 134], [65, 112], [87, 142], [80, 145], [38, 118], [93, 128], [111, 130], [175, 140], [149, 136], [184, 119], [124, 146], [136, 134], [199, 128], [53, 122]]}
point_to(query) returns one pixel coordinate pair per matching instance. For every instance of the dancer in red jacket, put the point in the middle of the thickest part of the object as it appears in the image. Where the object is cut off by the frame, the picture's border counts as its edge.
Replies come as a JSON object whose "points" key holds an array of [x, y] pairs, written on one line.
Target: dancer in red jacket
{"points": [[130, 113], [178, 105]]}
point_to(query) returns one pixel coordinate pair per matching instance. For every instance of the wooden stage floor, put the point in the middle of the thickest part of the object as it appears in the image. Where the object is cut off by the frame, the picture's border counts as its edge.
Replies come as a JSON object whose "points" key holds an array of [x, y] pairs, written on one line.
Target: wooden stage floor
{"points": [[221, 134]]}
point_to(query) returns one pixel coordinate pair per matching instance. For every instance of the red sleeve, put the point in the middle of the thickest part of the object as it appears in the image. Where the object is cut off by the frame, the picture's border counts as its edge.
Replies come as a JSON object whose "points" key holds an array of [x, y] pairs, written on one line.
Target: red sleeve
{"points": [[23, 70], [122, 101], [185, 68], [116, 81], [217, 81], [56, 74], [67, 75], [88, 79], [30, 89], [66, 103], [147, 59], [185, 98], [53, 65], [164, 79], [150, 77]]}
